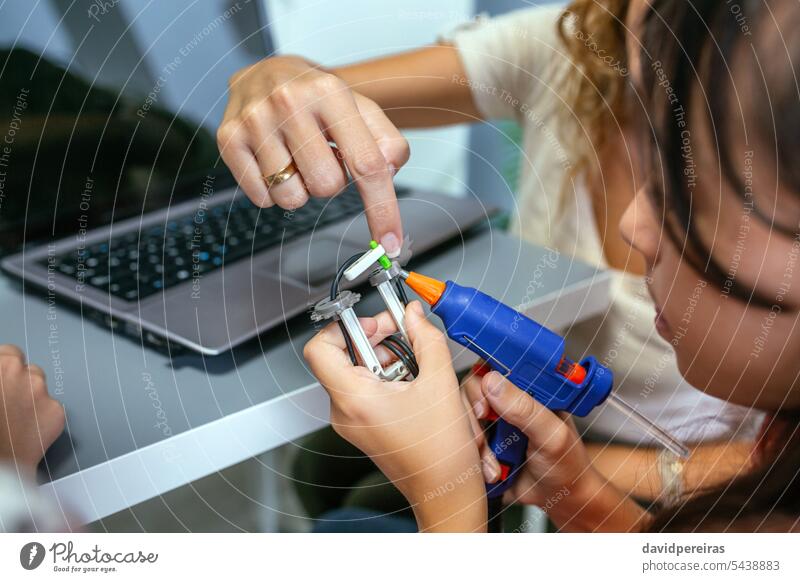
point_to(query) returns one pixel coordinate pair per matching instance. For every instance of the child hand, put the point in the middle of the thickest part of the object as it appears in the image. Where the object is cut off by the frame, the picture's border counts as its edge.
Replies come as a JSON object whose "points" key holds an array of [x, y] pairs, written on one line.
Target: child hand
{"points": [[30, 420], [557, 474], [417, 432]]}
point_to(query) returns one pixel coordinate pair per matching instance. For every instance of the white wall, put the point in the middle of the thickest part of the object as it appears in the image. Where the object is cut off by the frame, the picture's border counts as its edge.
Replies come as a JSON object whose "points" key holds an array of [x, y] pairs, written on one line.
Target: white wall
{"points": [[208, 47]]}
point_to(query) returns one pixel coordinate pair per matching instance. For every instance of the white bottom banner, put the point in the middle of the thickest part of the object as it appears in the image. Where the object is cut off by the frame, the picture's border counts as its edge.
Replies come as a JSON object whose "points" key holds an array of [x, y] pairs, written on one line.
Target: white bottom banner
{"points": [[389, 557]]}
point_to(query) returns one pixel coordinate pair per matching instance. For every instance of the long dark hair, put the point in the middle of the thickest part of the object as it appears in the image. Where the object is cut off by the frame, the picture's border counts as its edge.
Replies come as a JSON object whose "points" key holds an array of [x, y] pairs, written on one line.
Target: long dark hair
{"points": [[692, 54]]}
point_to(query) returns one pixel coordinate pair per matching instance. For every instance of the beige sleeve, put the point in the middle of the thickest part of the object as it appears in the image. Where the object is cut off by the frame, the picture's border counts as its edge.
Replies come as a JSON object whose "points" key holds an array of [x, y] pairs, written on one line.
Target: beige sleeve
{"points": [[507, 58]]}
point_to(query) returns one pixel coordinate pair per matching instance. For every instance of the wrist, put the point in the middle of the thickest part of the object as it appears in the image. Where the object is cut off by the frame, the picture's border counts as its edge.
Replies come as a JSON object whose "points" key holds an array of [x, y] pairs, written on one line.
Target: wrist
{"points": [[462, 511], [594, 504], [670, 469], [454, 503], [576, 496], [633, 470]]}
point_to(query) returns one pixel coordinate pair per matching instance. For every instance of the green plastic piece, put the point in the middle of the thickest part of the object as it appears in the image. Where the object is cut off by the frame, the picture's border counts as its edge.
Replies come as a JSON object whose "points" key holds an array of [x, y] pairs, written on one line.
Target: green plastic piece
{"points": [[383, 261]]}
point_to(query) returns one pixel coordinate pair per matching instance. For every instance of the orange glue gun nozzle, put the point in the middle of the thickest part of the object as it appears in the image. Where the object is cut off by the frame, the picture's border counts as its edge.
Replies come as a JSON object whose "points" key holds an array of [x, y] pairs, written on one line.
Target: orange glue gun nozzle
{"points": [[427, 288]]}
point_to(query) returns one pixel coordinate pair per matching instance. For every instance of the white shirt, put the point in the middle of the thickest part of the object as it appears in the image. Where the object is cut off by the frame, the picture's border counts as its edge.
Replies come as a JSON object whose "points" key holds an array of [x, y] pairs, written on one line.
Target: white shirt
{"points": [[515, 64]]}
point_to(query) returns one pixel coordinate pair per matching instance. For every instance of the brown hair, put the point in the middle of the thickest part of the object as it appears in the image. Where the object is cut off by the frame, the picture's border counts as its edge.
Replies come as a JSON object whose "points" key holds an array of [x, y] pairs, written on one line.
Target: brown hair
{"points": [[691, 46]]}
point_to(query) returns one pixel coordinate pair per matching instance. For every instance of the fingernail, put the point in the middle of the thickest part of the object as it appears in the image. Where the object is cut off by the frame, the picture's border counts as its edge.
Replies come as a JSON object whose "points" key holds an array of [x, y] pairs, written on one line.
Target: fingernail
{"points": [[391, 244], [480, 409], [494, 383], [490, 473], [417, 307], [367, 324]]}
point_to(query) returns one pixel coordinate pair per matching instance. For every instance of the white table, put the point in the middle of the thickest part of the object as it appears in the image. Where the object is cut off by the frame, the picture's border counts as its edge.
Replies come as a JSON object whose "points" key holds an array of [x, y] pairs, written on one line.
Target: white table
{"points": [[140, 423]]}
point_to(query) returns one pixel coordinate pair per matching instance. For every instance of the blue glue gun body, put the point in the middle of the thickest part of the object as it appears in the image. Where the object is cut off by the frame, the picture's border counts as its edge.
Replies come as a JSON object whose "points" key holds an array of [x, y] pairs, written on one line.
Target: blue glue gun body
{"points": [[529, 355]]}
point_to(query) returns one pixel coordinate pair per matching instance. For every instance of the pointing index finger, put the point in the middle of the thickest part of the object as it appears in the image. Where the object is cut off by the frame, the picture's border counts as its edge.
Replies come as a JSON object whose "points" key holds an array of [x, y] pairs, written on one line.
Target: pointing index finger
{"points": [[371, 173]]}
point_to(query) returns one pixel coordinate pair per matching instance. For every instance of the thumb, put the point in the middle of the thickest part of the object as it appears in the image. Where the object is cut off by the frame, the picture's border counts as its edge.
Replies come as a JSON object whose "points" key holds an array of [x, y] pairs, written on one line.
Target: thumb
{"points": [[519, 408], [429, 344]]}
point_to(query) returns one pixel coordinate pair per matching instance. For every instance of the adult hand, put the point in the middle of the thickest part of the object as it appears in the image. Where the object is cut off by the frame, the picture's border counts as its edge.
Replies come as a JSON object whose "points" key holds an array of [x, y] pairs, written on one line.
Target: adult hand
{"points": [[286, 108], [30, 420], [417, 432]]}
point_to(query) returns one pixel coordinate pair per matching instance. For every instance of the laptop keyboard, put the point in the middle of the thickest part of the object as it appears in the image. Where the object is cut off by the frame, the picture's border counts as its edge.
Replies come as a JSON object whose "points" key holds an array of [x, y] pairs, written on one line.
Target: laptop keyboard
{"points": [[140, 263]]}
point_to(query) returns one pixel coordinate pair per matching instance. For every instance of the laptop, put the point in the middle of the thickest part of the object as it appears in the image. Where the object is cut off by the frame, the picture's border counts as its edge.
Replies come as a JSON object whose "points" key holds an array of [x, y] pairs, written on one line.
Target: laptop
{"points": [[197, 266]]}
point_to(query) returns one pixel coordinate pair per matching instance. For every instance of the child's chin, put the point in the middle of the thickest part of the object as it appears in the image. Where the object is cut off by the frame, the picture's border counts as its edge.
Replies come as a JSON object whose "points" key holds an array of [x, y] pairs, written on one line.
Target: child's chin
{"points": [[691, 370], [699, 374]]}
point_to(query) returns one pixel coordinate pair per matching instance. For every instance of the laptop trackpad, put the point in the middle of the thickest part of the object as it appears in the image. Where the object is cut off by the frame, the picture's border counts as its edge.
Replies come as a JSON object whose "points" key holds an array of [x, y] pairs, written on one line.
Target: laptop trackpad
{"points": [[311, 262]]}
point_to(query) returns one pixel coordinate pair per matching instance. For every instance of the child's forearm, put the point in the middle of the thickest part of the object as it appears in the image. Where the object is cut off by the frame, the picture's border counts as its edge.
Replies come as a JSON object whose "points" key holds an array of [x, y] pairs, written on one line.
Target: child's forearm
{"points": [[596, 505], [637, 472], [455, 516], [453, 504]]}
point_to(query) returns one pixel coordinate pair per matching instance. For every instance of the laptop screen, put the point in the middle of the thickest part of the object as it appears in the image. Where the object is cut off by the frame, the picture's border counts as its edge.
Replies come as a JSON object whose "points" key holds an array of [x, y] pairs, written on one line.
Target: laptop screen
{"points": [[76, 156]]}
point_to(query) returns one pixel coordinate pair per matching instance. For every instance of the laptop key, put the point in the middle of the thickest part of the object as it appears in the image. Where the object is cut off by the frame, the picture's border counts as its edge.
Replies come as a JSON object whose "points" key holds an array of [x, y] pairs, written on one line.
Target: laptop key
{"points": [[137, 264]]}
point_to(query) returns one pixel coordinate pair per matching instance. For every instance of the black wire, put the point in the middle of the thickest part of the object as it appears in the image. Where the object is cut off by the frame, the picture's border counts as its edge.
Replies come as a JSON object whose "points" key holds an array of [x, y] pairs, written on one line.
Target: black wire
{"points": [[348, 342], [400, 355], [340, 273], [334, 292], [409, 360], [404, 346], [414, 366], [397, 338], [401, 291]]}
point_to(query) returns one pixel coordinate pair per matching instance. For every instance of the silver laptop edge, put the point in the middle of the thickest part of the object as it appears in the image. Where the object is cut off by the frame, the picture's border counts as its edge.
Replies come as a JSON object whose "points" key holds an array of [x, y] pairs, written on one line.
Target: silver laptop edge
{"points": [[238, 301]]}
